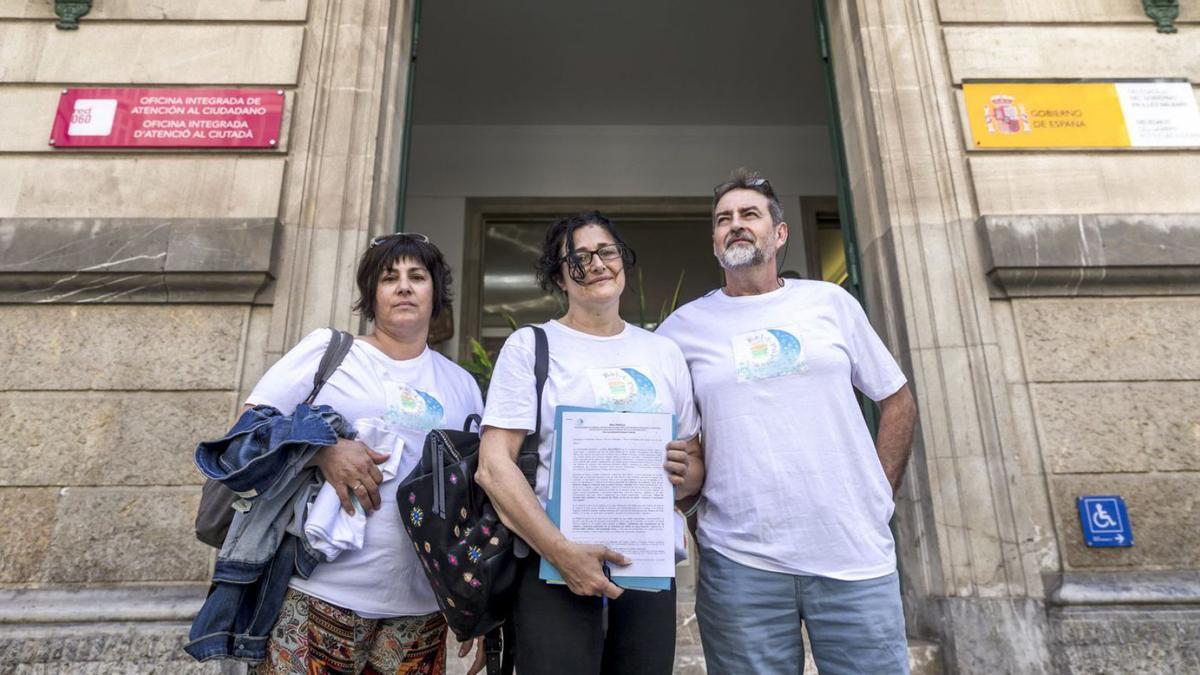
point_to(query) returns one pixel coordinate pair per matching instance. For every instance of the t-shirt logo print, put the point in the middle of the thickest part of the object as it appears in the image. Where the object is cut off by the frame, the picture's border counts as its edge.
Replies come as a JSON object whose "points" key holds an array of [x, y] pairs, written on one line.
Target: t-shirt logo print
{"points": [[771, 352], [624, 389], [412, 408]]}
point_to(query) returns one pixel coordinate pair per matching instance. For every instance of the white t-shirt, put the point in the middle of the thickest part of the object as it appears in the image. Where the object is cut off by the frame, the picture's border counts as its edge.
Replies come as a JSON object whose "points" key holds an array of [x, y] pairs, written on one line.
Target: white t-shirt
{"points": [[793, 482], [633, 371], [383, 579]]}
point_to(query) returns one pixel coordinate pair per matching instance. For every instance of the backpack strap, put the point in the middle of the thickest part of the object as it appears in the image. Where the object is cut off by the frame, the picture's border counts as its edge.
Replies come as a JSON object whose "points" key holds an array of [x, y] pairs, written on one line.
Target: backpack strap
{"points": [[339, 345], [527, 458], [493, 646]]}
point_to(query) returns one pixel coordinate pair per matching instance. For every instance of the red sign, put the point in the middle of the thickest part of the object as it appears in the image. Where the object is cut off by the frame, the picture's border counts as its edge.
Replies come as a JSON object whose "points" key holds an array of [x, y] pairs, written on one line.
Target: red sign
{"points": [[168, 118]]}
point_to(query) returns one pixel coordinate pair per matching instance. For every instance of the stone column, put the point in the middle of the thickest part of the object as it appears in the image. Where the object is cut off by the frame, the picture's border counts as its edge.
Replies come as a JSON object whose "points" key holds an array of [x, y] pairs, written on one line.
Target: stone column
{"points": [[341, 181], [974, 523]]}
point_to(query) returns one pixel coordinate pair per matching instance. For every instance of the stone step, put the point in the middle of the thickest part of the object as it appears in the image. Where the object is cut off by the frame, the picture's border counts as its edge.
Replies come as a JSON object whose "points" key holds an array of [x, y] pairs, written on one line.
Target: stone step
{"points": [[156, 647], [98, 648], [924, 658]]}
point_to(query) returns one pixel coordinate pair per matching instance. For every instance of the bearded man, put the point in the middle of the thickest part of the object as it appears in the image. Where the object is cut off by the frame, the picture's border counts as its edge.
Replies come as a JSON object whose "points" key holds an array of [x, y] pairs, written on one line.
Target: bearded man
{"points": [[793, 517]]}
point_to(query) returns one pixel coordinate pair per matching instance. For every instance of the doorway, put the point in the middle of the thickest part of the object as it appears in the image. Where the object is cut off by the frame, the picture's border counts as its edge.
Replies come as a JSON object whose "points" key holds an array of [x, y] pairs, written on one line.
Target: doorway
{"points": [[675, 262], [527, 111]]}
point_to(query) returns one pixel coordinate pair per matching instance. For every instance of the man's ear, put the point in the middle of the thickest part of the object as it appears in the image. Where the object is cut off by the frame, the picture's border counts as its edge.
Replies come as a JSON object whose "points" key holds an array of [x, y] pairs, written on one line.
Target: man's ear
{"points": [[782, 234]]}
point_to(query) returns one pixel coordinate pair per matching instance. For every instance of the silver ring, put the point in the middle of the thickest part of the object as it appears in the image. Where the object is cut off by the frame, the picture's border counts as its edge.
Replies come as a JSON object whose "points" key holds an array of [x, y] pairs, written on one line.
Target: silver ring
{"points": [[359, 486]]}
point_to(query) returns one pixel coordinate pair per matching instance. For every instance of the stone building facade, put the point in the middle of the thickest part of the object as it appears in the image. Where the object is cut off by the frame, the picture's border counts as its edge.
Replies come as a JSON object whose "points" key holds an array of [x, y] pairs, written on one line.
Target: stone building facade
{"points": [[1043, 303]]}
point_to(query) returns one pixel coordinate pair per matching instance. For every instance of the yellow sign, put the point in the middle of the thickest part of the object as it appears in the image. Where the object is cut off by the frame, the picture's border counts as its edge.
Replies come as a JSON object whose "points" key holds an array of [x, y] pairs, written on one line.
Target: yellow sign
{"points": [[1006, 115]]}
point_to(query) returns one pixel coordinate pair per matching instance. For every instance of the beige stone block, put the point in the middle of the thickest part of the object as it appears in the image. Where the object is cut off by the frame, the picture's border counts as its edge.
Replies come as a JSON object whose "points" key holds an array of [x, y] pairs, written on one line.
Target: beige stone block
{"points": [[100, 438], [27, 117], [1038, 11], [1109, 51], [126, 534], [130, 53], [1073, 183], [1110, 339], [1162, 512], [123, 347], [140, 186], [26, 521], [166, 10], [1111, 427]]}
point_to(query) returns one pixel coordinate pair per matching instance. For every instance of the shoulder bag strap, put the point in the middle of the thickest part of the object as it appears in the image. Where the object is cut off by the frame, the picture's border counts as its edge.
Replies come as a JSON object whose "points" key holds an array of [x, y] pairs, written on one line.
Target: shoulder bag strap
{"points": [[527, 459], [339, 345]]}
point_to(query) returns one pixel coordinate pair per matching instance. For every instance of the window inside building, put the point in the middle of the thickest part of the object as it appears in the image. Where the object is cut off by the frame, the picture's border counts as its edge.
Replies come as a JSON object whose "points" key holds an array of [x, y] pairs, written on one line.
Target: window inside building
{"points": [[674, 265]]}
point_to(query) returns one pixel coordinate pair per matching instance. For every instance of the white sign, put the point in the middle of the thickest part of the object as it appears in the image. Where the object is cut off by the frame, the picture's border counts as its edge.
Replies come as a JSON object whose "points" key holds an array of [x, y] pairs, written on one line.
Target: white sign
{"points": [[1160, 114], [93, 117]]}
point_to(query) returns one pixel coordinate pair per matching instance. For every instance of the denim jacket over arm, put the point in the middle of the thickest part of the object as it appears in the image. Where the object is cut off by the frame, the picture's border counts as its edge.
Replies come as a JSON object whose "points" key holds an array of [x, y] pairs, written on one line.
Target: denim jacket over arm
{"points": [[262, 459]]}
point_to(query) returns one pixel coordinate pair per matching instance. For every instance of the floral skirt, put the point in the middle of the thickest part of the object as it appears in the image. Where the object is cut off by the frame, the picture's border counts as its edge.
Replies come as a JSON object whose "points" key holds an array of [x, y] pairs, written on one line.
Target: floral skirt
{"points": [[313, 636]]}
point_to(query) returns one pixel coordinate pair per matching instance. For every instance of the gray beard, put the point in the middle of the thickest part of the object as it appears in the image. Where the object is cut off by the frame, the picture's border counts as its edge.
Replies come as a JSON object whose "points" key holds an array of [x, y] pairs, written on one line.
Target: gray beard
{"points": [[740, 257]]}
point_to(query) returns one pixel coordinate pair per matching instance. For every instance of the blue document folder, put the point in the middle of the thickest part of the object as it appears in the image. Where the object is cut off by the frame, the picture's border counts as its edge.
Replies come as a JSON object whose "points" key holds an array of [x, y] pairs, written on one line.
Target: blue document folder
{"points": [[547, 572]]}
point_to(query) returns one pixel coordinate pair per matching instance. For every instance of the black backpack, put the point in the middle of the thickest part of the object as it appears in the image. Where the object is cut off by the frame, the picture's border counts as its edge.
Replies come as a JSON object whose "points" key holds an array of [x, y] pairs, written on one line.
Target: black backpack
{"points": [[467, 553]]}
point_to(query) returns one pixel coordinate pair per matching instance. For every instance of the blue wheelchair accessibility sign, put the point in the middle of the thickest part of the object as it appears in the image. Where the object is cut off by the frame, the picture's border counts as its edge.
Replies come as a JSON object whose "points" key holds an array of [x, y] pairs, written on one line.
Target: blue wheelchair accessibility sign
{"points": [[1105, 521]]}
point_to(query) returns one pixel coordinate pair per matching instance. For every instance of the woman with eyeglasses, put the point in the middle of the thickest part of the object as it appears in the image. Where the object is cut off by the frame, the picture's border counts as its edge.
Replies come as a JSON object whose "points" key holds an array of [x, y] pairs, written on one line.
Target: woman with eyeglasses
{"points": [[597, 360], [371, 608]]}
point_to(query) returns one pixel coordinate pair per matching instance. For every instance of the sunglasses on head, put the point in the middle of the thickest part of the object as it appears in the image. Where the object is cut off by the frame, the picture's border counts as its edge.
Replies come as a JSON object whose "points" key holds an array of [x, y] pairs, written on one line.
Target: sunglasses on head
{"points": [[752, 183], [384, 237]]}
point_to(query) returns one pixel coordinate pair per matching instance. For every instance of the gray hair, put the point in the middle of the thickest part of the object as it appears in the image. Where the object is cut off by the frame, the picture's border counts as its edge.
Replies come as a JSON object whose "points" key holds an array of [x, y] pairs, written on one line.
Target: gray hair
{"points": [[745, 179]]}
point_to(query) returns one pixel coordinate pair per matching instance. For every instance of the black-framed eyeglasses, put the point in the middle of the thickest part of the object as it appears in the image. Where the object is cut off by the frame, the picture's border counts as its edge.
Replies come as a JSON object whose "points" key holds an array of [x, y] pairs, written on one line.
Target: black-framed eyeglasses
{"points": [[584, 258], [384, 237]]}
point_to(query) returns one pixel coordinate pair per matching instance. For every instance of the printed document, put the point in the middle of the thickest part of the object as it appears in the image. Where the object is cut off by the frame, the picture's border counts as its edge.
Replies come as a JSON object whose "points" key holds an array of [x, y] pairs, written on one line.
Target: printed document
{"points": [[609, 488]]}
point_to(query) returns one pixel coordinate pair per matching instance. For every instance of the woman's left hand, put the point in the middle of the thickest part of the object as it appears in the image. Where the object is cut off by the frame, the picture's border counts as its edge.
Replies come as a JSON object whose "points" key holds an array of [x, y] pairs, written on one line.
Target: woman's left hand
{"points": [[480, 661]]}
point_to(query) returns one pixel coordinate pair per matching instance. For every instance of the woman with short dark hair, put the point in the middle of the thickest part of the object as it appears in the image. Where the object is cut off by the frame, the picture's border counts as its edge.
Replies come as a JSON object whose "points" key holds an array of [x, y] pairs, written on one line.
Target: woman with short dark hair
{"points": [[597, 361], [372, 608]]}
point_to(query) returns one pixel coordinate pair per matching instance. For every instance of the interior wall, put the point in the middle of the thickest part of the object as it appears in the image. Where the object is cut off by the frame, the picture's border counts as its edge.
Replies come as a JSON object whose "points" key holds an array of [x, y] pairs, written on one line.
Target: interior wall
{"points": [[451, 163]]}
